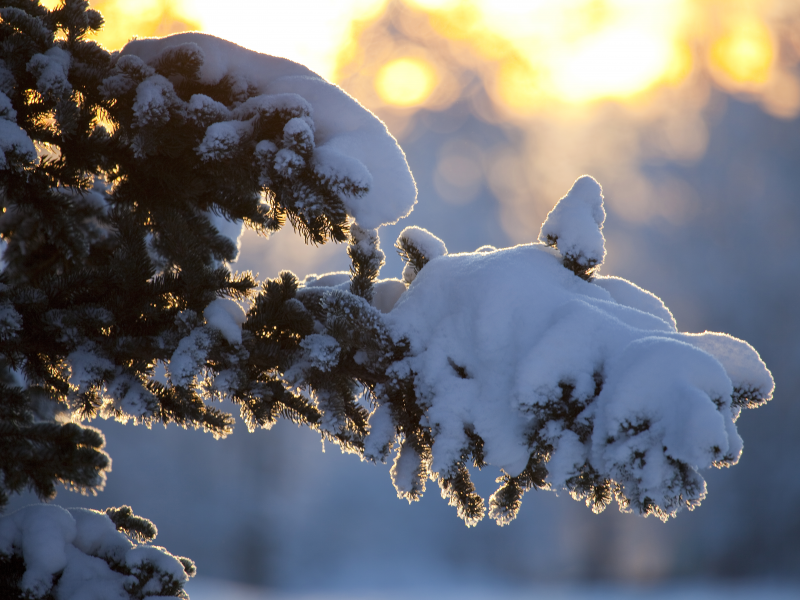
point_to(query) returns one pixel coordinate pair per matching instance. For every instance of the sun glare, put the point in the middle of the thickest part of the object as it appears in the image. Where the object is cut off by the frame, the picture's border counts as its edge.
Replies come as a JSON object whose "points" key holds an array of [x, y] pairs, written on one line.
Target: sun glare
{"points": [[745, 53], [310, 33], [585, 50], [405, 81], [616, 63], [534, 53]]}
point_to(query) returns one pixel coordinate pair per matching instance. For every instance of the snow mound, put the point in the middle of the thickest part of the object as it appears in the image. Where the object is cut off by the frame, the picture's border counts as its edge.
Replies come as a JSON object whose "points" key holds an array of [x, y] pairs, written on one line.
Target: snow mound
{"points": [[348, 137]]}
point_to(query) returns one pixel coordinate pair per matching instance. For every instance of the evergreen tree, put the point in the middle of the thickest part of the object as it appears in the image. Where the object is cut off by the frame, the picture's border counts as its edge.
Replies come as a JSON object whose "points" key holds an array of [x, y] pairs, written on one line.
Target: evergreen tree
{"points": [[119, 174]]}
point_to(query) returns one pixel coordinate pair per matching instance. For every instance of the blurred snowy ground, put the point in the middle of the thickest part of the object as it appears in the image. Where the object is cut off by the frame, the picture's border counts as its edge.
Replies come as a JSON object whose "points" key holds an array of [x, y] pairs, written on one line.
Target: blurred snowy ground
{"points": [[205, 589]]}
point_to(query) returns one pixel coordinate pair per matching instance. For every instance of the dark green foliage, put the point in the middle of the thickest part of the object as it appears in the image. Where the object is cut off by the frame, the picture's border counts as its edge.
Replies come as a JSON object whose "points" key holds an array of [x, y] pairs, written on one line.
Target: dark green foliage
{"points": [[144, 576], [458, 489], [414, 256], [583, 267], [411, 254], [138, 529], [111, 256], [366, 261], [457, 486], [507, 500], [747, 398], [12, 568]]}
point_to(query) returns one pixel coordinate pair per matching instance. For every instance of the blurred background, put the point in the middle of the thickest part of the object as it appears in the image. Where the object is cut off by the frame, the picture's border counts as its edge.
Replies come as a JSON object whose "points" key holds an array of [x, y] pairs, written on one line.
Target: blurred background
{"points": [[686, 111]]}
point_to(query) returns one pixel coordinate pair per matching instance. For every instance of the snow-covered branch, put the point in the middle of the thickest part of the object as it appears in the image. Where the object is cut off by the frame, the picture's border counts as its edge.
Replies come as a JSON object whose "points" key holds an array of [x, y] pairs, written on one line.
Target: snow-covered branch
{"points": [[117, 300]]}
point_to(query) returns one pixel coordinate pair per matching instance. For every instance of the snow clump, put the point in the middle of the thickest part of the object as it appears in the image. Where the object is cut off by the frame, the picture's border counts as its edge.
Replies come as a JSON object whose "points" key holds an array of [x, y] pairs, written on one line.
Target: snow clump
{"points": [[78, 553], [587, 380]]}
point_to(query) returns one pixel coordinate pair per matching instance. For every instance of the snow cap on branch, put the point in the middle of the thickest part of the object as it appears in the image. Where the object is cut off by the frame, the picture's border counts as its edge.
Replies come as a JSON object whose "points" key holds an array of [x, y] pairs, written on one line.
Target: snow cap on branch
{"points": [[80, 553], [50, 70], [575, 225], [592, 379], [343, 128], [417, 246]]}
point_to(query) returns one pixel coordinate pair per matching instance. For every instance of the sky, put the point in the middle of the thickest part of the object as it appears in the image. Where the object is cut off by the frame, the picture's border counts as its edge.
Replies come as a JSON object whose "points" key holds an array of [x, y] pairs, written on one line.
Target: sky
{"points": [[541, 52]]}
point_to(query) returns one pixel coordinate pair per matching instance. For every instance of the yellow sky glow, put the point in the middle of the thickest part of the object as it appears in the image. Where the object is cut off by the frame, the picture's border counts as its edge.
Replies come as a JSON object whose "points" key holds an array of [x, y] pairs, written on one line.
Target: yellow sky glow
{"points": [[745, 52], [309, 32], [574, 51], [405, 81]]}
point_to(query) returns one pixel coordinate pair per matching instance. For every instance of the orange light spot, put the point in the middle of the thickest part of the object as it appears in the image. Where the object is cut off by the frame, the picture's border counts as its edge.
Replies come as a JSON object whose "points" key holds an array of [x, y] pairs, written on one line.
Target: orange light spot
{"points": [[406, 81], [745, 54]]}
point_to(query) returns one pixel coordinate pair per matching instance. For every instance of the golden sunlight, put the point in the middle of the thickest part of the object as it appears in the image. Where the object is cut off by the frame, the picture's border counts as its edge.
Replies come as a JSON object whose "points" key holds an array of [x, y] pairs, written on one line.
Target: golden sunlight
{"points": [[745, 53], [125, 19], [533, 53], [584, 50], [308, 32], [405, 81]]}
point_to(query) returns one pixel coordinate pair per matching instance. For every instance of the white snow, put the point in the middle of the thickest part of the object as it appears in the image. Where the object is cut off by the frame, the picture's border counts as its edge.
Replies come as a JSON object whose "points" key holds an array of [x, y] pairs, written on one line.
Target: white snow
{"points": [[42, 534], [629, 294], [142, 555], [322, 351], [154, 96], [422, 239], [519, 324], [576, 223], [227, 317], [342, 127], [13, 139], [201, 108], [6, 109], [338, 278], [226, 228], [87, 368], [298, 132], [125, 397], [386, 293], [131, 70], [188, 360], [381, 435], [425, 242], [331, 165], [50, 70], [74, 547], [221, 139], [287, 161]]}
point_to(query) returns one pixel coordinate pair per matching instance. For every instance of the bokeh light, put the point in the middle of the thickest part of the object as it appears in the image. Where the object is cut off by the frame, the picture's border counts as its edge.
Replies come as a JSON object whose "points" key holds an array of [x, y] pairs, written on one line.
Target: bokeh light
{"points": [[531, 54], [405, 81], [745, 53]]}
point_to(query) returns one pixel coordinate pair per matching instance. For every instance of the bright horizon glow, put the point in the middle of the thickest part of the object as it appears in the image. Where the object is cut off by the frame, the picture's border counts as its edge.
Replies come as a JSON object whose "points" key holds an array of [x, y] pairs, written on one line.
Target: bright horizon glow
{"points": [[746, 52], [307, 32], [405, 81], [310, 33], [536, 52], [580, 51]]}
